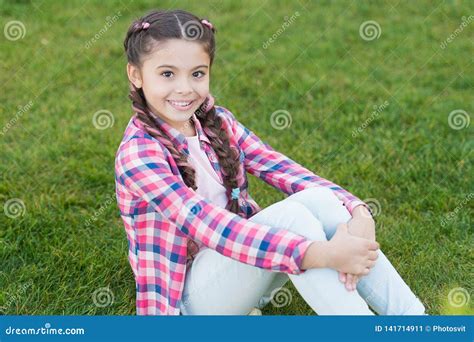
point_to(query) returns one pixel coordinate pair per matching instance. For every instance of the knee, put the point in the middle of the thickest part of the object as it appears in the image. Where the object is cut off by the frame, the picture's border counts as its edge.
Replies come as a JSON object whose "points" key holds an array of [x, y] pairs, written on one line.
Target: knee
{"points": [[325, 205], [295, 217]]}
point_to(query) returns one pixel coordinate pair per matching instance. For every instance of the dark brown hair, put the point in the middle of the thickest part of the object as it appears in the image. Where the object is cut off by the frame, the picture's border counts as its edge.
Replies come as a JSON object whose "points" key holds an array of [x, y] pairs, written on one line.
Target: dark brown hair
{"points": [[179, 24]]}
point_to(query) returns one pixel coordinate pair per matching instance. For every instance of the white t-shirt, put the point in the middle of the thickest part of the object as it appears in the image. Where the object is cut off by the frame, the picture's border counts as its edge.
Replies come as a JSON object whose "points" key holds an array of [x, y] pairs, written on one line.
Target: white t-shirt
{"points": [[207, 180]]}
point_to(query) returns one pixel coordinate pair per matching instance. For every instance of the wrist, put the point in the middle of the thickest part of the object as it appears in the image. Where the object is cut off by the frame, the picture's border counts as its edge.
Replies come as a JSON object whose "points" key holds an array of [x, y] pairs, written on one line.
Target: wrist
{"points": [[361, 211], [316, 255]]}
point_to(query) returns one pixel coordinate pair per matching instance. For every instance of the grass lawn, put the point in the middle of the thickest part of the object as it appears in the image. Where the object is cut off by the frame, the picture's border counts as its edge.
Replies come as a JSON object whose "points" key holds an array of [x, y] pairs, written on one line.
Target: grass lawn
{"points": [[385, 114]]}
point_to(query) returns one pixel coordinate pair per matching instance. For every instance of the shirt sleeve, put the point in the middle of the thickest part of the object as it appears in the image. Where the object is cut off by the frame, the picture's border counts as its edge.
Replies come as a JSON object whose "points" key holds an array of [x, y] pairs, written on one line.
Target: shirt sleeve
{"points": [[279, 171], [142, 168]]}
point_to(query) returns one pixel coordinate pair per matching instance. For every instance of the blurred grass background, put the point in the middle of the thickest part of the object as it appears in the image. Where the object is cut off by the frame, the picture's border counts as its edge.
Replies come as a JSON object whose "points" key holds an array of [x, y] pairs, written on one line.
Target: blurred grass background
{"points": [[409, 158]]}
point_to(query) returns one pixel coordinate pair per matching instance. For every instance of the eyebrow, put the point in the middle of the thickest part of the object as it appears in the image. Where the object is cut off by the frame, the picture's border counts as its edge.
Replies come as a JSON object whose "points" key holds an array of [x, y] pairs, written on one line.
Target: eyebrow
{"points": [[173, 67]]}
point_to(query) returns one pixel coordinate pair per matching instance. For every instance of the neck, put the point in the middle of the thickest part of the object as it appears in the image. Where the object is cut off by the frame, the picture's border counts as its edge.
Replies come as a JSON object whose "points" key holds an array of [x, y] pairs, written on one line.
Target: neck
{"points": [[188, 129]]}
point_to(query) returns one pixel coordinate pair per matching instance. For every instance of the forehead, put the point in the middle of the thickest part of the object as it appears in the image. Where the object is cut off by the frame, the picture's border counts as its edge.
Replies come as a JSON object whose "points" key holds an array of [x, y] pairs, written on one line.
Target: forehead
{"points": [[181, 53]]}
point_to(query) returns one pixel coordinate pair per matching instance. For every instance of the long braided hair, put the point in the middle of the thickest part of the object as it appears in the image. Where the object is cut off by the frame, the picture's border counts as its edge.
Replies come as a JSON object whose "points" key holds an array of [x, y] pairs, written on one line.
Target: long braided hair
{"points": [[179, 24]]}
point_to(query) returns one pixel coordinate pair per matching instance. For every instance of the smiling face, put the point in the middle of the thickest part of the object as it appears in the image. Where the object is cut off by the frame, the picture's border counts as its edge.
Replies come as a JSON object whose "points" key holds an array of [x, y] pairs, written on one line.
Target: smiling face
{"points": [[174, 78]]}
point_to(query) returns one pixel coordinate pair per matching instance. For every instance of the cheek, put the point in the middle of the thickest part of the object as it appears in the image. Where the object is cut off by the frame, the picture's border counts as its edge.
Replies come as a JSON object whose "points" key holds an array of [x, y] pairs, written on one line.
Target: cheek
{"points": [[202, 88], [155, 90]]}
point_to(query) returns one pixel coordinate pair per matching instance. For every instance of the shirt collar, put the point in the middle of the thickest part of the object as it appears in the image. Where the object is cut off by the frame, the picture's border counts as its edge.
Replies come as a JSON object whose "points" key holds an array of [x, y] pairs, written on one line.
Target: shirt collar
{"points": [[177, 138]]}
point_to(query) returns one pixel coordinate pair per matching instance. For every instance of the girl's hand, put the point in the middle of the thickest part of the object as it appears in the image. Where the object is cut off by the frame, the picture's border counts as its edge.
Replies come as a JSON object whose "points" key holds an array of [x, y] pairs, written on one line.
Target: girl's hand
{"points": [[361, 225], [349, 253]]}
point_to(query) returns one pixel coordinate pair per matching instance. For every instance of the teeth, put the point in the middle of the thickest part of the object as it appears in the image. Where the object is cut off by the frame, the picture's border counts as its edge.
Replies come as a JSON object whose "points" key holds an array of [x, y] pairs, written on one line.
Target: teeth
{"points": [[181, 104]]}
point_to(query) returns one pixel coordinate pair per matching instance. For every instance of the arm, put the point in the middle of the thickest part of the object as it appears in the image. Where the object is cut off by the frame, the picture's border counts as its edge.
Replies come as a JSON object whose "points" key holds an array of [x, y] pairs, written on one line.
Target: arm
{"points": [[142, 168], [279, 171]]}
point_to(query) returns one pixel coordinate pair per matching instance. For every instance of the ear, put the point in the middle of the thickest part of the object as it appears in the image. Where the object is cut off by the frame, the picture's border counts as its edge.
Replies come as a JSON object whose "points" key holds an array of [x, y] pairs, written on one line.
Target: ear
{"points": [[134, 76]]}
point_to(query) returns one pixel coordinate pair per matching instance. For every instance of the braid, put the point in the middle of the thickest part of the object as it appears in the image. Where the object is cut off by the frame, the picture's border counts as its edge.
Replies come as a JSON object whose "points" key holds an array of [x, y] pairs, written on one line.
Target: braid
{"points": [[212, 126], [139, 105], [227, 156]]}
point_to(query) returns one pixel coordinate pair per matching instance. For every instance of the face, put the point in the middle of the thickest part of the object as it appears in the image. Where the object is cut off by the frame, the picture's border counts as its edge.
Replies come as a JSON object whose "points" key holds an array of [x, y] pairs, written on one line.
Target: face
{"points": [[174, 78]]}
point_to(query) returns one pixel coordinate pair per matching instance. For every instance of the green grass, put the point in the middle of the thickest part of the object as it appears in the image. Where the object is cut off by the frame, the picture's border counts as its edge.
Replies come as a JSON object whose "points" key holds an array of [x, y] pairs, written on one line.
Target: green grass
{"points": [[319, 69]]}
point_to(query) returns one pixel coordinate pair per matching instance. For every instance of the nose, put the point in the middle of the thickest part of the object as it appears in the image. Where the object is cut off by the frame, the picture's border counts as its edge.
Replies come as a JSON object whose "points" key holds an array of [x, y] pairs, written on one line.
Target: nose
{"points": [[183, 86]]}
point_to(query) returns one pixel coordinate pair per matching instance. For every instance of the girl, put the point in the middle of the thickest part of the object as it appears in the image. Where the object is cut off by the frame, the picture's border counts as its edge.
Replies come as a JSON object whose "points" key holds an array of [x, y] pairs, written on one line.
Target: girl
{"points": [[198, 242]]}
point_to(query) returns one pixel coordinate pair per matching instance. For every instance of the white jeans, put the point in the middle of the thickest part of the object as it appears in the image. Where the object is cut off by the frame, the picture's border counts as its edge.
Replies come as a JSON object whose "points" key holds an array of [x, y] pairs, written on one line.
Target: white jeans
{"points": [[219, 285]]}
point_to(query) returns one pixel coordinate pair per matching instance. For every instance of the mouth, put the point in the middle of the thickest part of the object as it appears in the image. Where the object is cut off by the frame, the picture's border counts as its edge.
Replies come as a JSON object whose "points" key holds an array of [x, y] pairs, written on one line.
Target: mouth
{"points": [[181, 105]]}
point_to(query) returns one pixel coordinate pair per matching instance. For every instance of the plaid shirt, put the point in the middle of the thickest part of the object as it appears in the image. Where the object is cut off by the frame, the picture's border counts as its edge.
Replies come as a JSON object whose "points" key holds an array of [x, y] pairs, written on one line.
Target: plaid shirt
{"points": [[161, 214]]}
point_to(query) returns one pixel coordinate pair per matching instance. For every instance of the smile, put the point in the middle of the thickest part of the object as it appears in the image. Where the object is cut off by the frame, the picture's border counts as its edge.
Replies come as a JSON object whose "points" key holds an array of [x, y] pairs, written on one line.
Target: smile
{"points": [[181, 105]]}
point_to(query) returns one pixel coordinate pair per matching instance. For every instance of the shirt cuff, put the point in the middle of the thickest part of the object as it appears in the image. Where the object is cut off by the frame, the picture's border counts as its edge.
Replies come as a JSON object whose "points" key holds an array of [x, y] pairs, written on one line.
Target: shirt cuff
{"points": [[352, 205], [298, 254]]}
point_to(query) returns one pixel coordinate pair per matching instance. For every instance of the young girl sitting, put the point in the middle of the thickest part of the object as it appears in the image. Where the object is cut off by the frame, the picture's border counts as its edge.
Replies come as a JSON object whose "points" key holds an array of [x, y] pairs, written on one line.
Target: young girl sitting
{"points": [[198, 243]]}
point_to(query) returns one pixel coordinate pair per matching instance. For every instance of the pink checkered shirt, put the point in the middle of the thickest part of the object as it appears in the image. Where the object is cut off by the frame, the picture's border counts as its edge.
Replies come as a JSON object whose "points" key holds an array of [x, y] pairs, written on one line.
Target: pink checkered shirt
{"points": [[162, 215]]}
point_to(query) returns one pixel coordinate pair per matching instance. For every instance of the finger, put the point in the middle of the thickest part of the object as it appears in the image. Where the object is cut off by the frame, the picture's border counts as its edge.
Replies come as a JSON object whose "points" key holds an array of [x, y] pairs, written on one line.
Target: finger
{"points": [[366, 271], [374, 245], [354, 282], [349, 282], [373, 255], [342, 277], [371, 263]]}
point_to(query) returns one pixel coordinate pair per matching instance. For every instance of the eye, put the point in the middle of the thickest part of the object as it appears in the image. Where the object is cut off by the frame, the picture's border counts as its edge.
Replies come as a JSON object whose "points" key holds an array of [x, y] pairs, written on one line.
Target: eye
{"points": [[167, 73], [194, 74]]}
